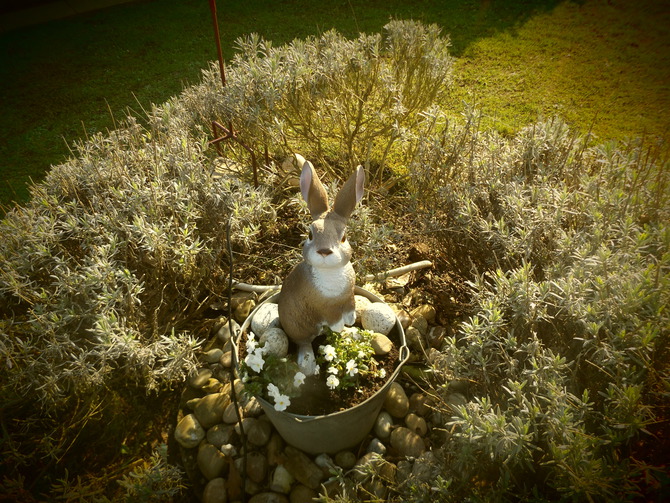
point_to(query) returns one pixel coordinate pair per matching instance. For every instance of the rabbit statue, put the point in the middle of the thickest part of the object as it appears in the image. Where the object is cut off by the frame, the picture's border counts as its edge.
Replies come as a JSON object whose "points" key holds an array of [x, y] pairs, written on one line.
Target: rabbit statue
{"points": [[319, 291]]}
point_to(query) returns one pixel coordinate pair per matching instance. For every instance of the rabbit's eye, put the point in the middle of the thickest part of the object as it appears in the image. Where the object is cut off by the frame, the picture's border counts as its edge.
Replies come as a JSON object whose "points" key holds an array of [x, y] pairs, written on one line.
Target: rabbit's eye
{"points": [[344, 237]]}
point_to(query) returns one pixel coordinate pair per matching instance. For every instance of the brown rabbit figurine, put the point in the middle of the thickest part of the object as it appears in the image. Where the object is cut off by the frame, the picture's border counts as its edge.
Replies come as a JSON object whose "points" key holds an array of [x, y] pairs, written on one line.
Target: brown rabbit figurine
{"points": [[319, 291]]}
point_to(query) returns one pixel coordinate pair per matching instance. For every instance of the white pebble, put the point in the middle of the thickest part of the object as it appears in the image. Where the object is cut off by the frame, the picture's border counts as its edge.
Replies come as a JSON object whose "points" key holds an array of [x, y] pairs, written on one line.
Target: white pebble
{"points": [[274, 341], [266, 317], [378, 317]]}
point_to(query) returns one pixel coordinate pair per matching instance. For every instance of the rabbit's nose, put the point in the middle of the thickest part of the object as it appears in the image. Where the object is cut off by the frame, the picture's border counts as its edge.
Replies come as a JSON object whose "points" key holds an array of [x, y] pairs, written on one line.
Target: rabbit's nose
{"points": [[324, 252]]}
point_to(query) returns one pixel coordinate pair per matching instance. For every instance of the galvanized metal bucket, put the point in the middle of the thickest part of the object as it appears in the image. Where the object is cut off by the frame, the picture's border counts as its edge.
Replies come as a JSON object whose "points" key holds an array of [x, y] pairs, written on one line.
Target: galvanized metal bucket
{"points": [[338, 431]]}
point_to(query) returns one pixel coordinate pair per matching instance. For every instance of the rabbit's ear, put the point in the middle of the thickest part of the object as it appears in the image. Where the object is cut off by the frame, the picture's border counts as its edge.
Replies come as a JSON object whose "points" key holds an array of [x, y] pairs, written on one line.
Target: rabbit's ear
{"points": [[313, 191], [350, 193]]}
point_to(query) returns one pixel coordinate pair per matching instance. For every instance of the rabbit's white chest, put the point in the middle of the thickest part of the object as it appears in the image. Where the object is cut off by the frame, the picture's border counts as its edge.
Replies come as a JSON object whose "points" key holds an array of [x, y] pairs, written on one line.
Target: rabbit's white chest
{"points": [[333, 282]]}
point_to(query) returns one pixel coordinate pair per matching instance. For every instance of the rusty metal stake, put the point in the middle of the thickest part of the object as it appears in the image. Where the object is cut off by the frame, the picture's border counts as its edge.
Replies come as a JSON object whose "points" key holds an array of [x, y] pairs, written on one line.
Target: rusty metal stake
{"points": [[212, 7], [218, 128]]}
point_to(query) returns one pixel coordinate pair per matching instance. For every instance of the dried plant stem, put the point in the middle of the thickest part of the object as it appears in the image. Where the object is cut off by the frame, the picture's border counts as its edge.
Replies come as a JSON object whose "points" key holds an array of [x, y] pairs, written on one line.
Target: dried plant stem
{"points": [[399, 271]]}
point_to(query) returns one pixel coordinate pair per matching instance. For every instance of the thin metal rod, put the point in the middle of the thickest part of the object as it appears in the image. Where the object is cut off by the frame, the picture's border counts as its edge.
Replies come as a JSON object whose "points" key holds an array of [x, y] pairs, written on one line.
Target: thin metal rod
{"points": [[212, 7]]}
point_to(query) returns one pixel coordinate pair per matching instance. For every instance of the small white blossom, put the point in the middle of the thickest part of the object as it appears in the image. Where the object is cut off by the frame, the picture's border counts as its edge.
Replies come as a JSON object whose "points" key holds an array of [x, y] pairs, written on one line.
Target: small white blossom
{"points": [[382, 373], [299, 379], [251, 344], [255, 361], [332, 382], [328, 352], [273, 391], [332, 370], [352, 370], [361, 354], [281, 402]]}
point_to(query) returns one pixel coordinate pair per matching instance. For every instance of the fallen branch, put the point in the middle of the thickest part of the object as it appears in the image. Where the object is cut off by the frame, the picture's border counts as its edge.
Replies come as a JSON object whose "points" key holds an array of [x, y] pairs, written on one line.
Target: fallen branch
{"points": [[398, 271], [246, 287]]}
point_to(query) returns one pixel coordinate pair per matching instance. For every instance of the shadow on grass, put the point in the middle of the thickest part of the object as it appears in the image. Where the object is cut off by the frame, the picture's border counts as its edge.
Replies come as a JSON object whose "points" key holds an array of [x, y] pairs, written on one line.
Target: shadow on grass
{"points": [[69, 78]]}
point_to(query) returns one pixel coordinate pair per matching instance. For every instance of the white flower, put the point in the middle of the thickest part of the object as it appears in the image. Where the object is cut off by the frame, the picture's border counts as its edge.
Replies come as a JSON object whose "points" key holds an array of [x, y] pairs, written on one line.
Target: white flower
{"points": [[281, 402], [361, 354], [251, 343], [273, 391], [382, 373], [299, 379], [328, 352], [352, 370], [332, 382], [255, 361], [332, 370]]}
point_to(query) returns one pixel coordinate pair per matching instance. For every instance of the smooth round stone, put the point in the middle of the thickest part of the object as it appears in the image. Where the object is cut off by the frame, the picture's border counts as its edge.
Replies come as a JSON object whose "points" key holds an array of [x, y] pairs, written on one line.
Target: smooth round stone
{"points": [[376, 446], [226, 359], [302, 494], [436, 336], [418, 403], [267, 316], [456, 399], [404, 318], [301, 466], [220, 434], [459, 386], [426, 467], [252, 408], [281, 480], [213, 355], [268, 497], [215, 491], [193, 402], [209, 410], [212, 386], [416, 423], [274, 341], [230, 414], [258, 432], [257, 466], [242, 311], [361, 303], [425, 311], [211, 461], [189, 432], [383, 425], [345, 459], [407, 443], [421, 324], [274, 448], [378, 317], [404, 470], [415, 339], [381, 344], [229, 450], [224, 333], [369, 461], [396, 402], [198, 380], [376, 488], [326, 463]]}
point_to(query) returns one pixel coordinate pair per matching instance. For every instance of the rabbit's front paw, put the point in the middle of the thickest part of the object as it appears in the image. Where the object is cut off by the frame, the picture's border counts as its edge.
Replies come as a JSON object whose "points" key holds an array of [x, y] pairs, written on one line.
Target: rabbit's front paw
{"points": [[306, 359], [349, 318]]}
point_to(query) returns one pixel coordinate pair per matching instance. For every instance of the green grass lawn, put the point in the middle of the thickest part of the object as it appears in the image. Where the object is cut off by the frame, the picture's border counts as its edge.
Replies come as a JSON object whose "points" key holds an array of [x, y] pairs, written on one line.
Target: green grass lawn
{"points": [[600, 65]]}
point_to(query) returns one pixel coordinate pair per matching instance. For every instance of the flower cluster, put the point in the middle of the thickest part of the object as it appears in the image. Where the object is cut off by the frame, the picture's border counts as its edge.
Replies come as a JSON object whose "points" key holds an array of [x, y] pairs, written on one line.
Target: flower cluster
{"points": [[266, 374], [347, 356]]}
